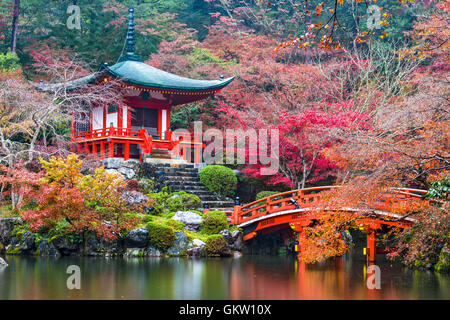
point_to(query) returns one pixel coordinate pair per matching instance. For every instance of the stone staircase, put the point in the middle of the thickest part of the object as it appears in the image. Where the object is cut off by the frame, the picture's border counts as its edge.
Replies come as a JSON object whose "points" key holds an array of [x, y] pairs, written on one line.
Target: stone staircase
{"points": [[184, 177]]}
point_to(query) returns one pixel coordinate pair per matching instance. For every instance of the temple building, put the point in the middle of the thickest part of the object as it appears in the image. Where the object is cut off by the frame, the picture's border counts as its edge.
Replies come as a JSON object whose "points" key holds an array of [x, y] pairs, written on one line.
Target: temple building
{"points": [[139, 126]]}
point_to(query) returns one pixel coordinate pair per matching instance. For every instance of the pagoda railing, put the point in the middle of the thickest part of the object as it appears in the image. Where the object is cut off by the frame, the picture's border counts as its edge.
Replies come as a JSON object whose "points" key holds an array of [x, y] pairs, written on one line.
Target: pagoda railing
{"points": [[105, 133], [180, 145]]}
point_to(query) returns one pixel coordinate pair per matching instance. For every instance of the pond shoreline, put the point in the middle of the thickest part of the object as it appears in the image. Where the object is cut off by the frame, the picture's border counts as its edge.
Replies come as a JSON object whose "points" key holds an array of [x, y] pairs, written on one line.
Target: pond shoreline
{"points": [[134, 244]]}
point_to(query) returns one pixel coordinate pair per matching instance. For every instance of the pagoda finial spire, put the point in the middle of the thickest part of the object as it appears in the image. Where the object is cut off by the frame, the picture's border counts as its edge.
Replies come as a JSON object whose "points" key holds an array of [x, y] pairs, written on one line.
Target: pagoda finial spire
{"points": [[130, 33]]}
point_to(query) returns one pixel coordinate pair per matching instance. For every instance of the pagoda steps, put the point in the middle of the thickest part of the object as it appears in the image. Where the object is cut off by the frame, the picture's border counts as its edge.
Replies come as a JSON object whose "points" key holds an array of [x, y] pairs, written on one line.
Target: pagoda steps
{"points": [[184, 177], [161, 154]]}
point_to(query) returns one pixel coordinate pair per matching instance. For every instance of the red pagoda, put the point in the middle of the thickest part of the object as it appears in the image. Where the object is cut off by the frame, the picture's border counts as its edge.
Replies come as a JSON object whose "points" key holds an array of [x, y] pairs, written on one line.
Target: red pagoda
{"points": [[139, 126]]}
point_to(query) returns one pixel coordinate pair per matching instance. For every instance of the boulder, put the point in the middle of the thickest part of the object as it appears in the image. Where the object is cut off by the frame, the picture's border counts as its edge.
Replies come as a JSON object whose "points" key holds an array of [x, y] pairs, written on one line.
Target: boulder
{"points": [[191, 220], [227, 236], [137, 238], [112, 163], [6, 226], [134, 252], [152, 252], [111, 171], [131, 164], [180, 244], [97, 247], [236, 237], [23, 243], [134, 197], [3, 263], [127, 172], [65, 246], [47, 249], [196, 248]]}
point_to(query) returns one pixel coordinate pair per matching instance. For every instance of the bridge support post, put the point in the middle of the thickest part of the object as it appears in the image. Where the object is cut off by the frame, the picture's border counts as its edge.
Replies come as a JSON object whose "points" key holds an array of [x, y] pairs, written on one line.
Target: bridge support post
{"points": [[299, 237], [235, 215], [371, 251]]}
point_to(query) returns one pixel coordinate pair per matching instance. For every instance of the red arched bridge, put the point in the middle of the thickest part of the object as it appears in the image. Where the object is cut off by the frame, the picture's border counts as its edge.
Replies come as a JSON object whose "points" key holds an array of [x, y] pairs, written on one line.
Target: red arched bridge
{"points": [[297, 209]]}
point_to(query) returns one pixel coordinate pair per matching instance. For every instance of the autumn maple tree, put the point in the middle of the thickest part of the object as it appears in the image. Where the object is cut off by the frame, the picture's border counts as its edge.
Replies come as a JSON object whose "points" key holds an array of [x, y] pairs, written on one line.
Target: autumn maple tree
{"points": [[76, 203]]}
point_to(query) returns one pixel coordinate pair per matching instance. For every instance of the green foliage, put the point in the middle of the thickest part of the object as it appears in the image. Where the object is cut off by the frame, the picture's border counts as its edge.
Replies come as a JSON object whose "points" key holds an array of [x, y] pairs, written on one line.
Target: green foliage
{"points": [[9, 62], [160, 236], [166, 202], [147, 185], [264, 194], [443, 264], [175, 225], [202, 56], [147, 218], [439, 189], [216, 245], [214, 222], [219, 179]]}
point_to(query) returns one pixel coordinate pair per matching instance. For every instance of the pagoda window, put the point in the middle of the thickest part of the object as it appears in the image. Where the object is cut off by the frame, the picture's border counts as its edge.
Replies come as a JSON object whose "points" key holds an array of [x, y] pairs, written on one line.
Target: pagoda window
{"points": [[146, 118], [82, 122], [112, 109]]}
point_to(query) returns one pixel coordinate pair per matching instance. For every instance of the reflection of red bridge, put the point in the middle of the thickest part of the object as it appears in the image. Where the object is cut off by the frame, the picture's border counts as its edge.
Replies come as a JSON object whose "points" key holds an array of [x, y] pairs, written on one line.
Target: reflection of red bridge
{"points": [[296, 209]]}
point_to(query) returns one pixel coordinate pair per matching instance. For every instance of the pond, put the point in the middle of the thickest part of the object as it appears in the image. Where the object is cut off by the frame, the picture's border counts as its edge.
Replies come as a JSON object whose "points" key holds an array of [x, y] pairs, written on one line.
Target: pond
{"points": [[247, 277]]}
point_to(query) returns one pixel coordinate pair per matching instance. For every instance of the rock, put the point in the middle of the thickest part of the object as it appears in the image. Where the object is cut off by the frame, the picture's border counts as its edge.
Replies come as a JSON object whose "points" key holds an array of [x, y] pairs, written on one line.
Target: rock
{"points": [[98, 247], [65, 246], [152, 252], [22, 243], [47, 249], [443, 264], [111, 171], [227, 236], [348, 240], [236, 237], [233, 239], [127, 172], [237, 254], [196, 248], [6, 226], [180, 245], [112, 163], [3, 263], [134, 252], [137, 238], [134, 197], [131, 164], [191, 220]]}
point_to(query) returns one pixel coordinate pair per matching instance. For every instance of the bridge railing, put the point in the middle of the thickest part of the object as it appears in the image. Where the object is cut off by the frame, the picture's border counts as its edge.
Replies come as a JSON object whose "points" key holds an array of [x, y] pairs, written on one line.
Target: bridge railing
{"points": [[307, 198], [304, 198]]}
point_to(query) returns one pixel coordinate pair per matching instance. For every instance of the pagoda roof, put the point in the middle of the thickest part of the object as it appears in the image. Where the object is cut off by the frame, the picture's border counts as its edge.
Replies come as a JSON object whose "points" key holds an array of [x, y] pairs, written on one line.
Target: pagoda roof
{"points": [[142, 74]]}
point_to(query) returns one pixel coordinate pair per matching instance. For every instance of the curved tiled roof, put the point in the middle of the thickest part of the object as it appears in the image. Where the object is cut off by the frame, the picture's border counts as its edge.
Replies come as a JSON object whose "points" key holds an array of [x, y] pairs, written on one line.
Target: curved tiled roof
{"points": [[139, 73]]}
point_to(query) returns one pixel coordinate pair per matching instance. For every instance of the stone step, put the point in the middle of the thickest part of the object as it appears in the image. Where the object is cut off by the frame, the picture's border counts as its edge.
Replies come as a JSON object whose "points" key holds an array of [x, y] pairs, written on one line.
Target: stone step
{"points": [[219, 204], [178, 174], [184, 183], [189, 189]]}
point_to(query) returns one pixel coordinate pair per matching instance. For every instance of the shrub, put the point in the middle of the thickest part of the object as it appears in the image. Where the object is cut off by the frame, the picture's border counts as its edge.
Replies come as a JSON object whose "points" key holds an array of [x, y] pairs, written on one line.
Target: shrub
{"points": [[147, 218], [219, 179], [133, 185], [147, 185], [165, 202], [264, 194], [176, 225], [214, 222], [160, 236], [216, 245], [190, 201], [9, 62]]}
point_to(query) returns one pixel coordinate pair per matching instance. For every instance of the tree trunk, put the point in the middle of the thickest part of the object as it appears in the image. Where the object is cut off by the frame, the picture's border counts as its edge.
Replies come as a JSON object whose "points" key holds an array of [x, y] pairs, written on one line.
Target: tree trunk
{"points": [[15, 25]]}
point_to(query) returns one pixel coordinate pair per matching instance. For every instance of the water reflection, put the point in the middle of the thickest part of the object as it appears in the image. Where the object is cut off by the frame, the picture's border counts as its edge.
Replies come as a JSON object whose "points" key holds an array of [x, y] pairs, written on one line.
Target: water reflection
{"points": [[250, 277]]}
